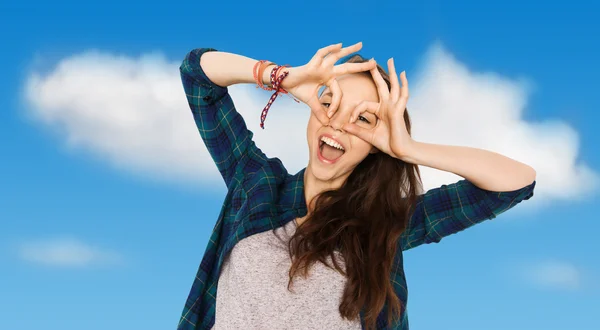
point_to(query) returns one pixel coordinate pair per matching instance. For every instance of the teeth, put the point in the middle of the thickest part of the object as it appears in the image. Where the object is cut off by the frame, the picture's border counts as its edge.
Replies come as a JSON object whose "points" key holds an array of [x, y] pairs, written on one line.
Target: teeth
{"points": [[332, 143]]}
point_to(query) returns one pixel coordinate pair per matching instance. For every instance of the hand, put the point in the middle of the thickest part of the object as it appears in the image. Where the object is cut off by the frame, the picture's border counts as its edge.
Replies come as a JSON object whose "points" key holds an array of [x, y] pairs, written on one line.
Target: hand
{"points": [[389, 134], [303, 82]]}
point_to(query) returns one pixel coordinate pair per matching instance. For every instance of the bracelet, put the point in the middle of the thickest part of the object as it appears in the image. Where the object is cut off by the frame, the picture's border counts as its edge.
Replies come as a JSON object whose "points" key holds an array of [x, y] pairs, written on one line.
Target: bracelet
{"points": [[276, 78], [257, 72], [281, 89], [276, 82], [275, 73]]}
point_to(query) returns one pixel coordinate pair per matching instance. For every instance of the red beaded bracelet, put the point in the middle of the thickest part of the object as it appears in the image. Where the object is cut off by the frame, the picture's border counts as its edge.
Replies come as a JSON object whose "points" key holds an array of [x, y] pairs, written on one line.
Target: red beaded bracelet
{"points": [[276, 82]]}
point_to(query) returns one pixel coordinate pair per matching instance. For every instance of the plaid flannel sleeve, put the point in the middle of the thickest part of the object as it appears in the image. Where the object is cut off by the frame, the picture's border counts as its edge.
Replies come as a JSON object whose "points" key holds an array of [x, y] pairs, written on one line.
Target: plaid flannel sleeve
{"points": [[221, 127], [452, 208]]}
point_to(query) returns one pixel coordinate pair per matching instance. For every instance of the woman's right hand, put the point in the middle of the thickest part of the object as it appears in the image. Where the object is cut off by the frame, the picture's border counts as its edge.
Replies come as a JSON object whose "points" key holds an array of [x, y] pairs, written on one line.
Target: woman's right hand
{"points": [[303, 82]]}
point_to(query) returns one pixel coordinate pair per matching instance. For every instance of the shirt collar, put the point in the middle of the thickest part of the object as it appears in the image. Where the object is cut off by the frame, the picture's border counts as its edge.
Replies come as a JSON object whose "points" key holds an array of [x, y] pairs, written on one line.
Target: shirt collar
{"points": [[293, 194]]}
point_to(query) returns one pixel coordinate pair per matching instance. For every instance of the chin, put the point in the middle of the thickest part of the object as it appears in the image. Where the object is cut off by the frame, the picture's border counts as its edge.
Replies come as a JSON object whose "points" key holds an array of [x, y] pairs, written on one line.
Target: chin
{"points": [[322, 173]]}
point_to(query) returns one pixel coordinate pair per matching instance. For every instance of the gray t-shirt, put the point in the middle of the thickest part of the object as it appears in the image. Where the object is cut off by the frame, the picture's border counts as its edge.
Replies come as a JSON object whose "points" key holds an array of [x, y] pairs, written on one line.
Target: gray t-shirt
{"points": [[252, 289]]}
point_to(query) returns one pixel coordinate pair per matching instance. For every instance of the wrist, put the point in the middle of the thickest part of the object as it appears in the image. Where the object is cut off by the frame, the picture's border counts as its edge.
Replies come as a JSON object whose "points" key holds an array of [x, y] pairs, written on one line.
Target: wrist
{"points": [[285, 84], [409, 152], [266, 76]]}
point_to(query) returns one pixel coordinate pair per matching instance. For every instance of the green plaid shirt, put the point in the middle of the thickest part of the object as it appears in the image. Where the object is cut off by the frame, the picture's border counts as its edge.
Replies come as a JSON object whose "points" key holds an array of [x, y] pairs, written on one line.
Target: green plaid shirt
{"points": [[262, 196]]}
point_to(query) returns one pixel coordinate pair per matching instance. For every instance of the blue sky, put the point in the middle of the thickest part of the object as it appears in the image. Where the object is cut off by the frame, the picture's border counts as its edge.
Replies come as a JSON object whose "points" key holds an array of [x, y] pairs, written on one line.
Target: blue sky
{"points": [[108, 197]]}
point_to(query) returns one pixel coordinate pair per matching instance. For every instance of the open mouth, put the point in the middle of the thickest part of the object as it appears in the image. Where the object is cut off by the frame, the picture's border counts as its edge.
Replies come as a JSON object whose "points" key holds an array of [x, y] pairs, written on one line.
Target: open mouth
{"points": [[329, 154]]}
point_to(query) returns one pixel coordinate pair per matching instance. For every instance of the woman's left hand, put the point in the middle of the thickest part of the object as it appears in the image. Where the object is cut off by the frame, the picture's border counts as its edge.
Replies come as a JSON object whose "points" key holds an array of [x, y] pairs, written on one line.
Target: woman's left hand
{"points": [[389, 134]]}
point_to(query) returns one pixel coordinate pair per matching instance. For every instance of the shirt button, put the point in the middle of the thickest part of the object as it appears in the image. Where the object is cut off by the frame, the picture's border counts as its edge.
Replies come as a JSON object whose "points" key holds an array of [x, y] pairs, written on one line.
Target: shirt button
{"points": [[206, 98]]}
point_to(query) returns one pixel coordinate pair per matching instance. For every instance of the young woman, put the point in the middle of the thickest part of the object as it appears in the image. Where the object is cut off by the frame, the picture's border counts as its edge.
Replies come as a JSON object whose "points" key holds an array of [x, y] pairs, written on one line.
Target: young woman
{"points": [[341, 222]]}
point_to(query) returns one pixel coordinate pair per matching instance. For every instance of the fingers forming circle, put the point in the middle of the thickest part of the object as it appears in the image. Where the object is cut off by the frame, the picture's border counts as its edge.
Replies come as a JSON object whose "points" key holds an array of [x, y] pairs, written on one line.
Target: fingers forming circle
{"points": [[382, 88], [336, 55], [321, 53], [370, 106], [318, 110], [405, 93], [345, 68], [395, 85], [336, 99]]}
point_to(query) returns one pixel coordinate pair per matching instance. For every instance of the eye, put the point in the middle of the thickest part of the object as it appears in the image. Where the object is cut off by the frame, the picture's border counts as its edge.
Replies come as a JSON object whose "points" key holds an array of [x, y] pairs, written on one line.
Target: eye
{"points": [[365, 119], [326, 104]]}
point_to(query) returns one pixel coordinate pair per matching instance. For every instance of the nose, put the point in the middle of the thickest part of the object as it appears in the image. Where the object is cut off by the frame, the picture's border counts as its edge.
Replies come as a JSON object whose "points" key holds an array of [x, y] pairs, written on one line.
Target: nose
{"points": [[340, 117], [336, 125]]}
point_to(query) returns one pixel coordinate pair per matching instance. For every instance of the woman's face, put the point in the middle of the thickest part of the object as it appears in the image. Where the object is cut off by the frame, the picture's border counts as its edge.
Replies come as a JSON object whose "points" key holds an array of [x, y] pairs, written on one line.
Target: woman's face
{"points": [[355, 88]]}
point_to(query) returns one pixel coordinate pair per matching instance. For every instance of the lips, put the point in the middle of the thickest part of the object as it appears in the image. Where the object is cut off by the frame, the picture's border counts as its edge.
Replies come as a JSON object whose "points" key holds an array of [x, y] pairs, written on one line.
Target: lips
{"points": [[331, 137], [320, 144]]}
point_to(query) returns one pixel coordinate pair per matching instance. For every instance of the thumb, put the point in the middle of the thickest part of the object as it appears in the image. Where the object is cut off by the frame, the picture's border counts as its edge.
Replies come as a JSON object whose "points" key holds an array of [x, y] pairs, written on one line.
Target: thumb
{"points": [[318, 110], [358, 131]]}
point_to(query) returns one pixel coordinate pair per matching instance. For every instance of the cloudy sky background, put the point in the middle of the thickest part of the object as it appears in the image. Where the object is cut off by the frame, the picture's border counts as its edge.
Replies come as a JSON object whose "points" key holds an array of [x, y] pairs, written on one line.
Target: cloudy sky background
{"points": [[109, 195]]}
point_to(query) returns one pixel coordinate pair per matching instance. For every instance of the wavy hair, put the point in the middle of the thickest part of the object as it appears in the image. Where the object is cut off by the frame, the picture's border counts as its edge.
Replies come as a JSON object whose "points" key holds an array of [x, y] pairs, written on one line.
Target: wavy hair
{"points": [[362, 222]]}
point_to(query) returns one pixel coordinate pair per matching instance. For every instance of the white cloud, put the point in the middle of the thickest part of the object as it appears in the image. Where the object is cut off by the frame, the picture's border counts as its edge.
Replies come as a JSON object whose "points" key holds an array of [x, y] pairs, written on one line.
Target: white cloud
{"points": [[66, 252], [133, 114], [453, 105], [553, 274]]}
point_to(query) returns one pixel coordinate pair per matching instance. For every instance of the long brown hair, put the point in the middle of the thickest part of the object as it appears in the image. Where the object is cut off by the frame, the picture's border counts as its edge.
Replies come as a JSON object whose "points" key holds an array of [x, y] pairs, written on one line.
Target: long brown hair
{"points": [[362, 221]]}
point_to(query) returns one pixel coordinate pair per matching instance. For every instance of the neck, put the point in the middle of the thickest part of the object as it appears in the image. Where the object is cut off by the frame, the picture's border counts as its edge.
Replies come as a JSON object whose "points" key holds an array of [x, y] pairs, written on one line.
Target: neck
{"points": [[314, 186]]}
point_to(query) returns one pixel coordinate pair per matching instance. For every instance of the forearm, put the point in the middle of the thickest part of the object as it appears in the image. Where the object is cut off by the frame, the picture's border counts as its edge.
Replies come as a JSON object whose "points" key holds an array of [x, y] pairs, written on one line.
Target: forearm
{"points": [[486, 169], [225, 69]]}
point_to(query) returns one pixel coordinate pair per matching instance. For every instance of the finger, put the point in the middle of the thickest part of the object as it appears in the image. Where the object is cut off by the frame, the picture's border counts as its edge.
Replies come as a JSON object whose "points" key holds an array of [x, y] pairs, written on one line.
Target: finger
{"points": [[318, 110], [382, 88], [346, 51], [321, 53], [363, 106], [395, 90], [405, 93], [345, 68], [336, 99], [362, 133]]}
